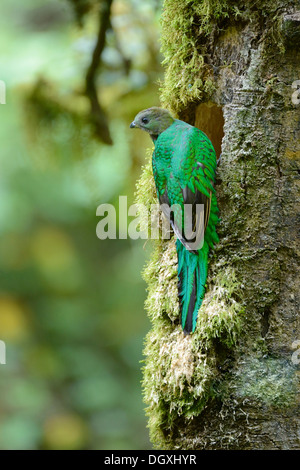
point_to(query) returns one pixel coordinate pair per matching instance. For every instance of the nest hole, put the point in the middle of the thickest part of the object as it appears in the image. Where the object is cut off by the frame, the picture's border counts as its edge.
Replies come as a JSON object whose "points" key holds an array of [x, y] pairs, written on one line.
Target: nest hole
{"points": [[209, 118]]}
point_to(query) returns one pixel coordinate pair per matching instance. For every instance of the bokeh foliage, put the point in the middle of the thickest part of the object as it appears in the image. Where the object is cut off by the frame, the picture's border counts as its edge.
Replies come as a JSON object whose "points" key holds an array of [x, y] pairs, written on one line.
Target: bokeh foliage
{"points": [[71, 305]]}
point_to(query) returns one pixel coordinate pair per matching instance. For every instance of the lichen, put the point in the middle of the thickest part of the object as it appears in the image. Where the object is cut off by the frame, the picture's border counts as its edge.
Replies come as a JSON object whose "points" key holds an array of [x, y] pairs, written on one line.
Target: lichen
{"points": [[268, 380]]}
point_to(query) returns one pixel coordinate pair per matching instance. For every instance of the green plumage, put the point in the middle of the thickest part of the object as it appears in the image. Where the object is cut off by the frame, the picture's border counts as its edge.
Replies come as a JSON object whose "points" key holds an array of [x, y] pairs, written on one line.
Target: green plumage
{"points": [[184, 165]]}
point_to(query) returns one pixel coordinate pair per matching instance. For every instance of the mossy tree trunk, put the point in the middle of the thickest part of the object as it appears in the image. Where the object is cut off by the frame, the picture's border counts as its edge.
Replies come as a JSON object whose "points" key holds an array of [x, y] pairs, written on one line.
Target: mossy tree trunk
{"points": [[230, 68]]}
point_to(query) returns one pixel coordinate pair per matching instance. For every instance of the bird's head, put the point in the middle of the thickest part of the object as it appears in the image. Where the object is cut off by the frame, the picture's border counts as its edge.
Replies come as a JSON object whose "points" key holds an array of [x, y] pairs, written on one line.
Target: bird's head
{"points": [[153, 120]]}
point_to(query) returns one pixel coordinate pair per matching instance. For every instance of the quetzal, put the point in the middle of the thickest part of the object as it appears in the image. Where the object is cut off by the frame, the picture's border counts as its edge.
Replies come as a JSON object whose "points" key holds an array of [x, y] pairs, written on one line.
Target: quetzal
{"points": [[184, 165]]}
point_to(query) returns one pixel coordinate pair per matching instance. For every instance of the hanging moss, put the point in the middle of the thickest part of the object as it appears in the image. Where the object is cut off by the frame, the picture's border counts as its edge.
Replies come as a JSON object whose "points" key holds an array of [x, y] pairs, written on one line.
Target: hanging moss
{"points": [[186, 25], [189, 29]]}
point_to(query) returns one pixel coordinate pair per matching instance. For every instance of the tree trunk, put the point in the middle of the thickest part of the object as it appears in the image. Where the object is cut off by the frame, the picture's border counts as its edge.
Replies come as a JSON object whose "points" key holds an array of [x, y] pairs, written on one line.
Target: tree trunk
{"points": [[231, 70]]}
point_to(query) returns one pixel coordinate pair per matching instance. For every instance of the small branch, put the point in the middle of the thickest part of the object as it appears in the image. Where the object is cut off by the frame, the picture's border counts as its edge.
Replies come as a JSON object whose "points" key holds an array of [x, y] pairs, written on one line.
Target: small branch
{"points": [[97, 113]]}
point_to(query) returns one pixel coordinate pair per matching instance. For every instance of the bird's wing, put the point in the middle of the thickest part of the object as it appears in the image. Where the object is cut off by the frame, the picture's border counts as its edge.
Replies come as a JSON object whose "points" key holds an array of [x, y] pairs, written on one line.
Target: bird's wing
{"points": [[193, 176]]}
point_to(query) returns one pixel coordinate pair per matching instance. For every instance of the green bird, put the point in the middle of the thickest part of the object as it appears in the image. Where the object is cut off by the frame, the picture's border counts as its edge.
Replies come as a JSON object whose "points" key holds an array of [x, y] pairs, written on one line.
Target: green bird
{"points": [[184, 164]]}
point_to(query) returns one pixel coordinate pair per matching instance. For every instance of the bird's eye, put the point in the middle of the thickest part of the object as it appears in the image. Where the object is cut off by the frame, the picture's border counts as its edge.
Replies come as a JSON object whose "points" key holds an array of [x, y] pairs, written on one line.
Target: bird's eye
{"points": [[145, 120]]}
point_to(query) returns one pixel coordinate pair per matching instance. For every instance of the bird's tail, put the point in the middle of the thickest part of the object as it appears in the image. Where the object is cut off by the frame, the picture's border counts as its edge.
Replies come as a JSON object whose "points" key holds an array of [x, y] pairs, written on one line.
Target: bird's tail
{"points": [[192, 273]]}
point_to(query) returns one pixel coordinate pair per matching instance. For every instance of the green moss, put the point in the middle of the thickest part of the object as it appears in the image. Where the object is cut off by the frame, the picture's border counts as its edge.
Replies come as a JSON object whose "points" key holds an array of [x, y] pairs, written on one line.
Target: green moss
{"points": [[145, 192], [189, 31], [221, 314], [185, 27]]}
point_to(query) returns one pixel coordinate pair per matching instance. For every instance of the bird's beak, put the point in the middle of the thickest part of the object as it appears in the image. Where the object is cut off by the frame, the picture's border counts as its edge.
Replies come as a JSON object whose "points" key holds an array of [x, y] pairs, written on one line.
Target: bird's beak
{"points": [[132, 124]]}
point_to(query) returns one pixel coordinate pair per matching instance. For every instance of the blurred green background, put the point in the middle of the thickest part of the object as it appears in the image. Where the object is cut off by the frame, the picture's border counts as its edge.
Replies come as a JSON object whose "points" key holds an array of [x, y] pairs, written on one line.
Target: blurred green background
{"points": [[72, 306]]}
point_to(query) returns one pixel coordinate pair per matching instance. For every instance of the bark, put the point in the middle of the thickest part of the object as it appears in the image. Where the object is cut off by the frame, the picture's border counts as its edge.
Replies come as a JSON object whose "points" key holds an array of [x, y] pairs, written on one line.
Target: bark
{"points": [[234, 384]]}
